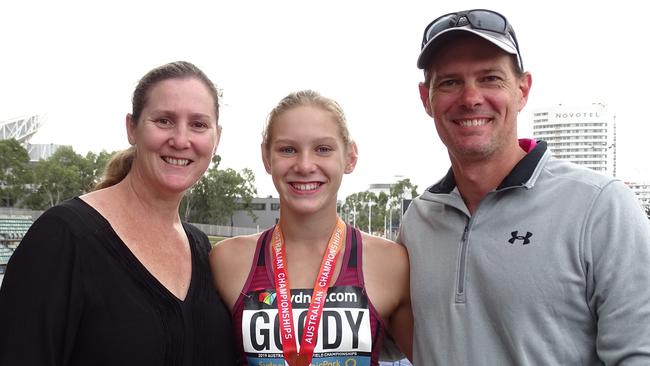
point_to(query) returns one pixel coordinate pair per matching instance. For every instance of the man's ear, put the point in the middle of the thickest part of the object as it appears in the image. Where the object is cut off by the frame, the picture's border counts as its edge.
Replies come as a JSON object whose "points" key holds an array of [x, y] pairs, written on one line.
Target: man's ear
{"points": [[351, 158], [424, 97], [525, 82]]}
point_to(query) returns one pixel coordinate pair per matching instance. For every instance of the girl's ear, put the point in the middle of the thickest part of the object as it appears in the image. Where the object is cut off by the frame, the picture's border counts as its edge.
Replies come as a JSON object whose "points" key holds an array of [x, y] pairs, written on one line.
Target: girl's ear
{"points": [[351, 158], [265, 158]]}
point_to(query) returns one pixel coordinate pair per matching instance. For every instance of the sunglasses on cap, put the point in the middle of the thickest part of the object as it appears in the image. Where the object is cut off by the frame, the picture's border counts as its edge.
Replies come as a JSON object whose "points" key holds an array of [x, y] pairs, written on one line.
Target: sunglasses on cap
{"points": [[478, 19]]}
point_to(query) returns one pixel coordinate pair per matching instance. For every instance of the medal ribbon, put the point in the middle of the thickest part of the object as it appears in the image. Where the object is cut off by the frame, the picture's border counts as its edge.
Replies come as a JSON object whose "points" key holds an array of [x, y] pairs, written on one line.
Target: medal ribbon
{"points": [[283, 296]]}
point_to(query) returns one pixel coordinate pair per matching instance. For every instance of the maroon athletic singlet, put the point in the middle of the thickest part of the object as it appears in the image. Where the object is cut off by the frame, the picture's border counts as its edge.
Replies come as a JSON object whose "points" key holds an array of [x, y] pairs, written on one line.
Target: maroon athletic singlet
{"points": [[350, 331]]}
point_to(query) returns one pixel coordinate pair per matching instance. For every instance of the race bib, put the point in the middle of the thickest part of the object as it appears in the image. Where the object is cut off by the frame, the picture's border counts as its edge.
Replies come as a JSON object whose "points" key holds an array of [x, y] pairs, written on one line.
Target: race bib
{"points": [[343, 339]]}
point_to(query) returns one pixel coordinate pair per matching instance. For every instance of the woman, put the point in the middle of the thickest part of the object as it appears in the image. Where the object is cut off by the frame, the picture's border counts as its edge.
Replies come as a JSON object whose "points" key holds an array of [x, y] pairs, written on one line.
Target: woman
{"points": [[114, 277], [312, 289]]}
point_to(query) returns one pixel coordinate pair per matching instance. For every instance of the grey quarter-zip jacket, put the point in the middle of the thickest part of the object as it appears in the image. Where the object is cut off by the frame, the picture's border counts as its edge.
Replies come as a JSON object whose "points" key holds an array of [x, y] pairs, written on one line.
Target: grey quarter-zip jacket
{"points": [[553, 268]]}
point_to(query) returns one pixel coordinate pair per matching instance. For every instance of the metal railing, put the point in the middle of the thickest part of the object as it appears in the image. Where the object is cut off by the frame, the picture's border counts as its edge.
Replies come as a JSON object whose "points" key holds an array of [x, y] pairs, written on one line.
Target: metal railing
{"points": [[227, 231]]}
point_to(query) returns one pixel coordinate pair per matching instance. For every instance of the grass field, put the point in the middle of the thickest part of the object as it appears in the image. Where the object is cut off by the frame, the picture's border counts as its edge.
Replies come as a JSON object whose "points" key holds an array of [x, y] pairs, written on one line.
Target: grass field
{"points": [[215, 239]]}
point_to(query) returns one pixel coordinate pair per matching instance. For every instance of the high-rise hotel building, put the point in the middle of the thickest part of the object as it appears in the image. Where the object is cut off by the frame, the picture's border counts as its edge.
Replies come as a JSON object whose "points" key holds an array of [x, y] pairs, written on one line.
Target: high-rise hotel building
{"points": [[642, 191], [585, 135]]}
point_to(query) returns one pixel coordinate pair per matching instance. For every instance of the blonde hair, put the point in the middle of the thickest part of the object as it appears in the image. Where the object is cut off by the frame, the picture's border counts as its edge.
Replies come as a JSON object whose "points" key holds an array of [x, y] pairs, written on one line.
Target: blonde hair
{"points": [[117, 168], [120, 164], [306, 98]]}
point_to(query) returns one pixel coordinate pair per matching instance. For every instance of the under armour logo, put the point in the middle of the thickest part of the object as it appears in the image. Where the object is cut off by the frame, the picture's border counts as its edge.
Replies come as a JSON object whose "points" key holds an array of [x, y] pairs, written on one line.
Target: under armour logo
{"points": [[516, 236]]}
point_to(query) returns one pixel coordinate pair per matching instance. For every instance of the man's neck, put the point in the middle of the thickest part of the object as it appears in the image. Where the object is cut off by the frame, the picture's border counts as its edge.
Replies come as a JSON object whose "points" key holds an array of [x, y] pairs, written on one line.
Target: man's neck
{"points": [[475, 179]]}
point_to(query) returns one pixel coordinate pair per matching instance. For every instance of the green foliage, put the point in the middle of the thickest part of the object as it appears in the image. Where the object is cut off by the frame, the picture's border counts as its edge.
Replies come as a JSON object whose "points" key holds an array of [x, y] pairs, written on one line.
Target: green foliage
{"points": [[361, 209], [57, 178], [64, 175], [67, 174], [382, 212], [95, 166], [403, 189], [212, 200], [14, 172], [216, 196]]}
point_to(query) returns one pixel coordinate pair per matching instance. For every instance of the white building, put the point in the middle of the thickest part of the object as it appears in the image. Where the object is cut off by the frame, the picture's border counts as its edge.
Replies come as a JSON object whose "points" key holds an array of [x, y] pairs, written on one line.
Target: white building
{"points": [[585, 135], [378, 188], [266, 211], [642, 191]]}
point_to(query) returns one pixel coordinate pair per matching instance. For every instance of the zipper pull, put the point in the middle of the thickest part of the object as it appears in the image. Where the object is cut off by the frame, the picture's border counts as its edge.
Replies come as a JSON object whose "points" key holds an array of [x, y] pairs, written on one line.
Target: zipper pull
{"points": [[465, 233]]}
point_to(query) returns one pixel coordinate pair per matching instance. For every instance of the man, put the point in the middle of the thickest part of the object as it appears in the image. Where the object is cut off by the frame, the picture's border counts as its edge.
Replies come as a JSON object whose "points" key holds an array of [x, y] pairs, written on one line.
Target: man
{"points": [[516, 258]]}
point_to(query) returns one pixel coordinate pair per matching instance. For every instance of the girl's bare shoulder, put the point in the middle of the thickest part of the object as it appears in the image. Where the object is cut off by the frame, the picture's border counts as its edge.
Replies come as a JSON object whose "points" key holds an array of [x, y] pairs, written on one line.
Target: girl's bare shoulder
{"points": [[382, 246], [234, 250]]}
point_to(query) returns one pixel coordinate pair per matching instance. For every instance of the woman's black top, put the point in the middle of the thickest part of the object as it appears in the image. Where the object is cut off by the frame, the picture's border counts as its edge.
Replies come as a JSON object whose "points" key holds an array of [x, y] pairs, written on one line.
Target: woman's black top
{"points": [[74, 294]]}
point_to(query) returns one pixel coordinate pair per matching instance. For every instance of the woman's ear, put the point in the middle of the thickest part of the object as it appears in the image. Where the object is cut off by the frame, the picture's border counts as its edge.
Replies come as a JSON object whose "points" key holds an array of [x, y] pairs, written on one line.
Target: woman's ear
{"points": [[216, 142], [130, 128]]}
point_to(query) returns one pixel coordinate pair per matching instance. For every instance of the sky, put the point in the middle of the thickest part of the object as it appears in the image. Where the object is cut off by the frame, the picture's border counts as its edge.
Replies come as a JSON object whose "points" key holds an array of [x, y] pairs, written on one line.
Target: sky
{"points": [[76, 64]]}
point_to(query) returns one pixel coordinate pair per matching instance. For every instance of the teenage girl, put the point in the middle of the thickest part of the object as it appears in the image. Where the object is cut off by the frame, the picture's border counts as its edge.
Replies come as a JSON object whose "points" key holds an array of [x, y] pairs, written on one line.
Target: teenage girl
{"points": [[311, 289]]}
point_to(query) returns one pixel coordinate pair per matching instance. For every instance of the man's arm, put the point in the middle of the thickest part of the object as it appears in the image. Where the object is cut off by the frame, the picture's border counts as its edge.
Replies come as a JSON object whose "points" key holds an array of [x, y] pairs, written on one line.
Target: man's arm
{"points": [[617, 258]]}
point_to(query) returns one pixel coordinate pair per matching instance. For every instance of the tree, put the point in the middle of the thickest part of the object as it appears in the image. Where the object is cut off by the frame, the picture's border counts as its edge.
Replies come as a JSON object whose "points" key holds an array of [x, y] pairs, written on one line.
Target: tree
{"points": [[216, 196], [364, 209], [14, 172], [403, 189], [93, 168], [399, 191], [63, 175]]}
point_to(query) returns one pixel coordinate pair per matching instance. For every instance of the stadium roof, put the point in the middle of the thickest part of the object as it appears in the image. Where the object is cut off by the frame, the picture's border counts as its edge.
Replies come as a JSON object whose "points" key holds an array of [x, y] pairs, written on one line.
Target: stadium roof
{"points": [[21, 128]]}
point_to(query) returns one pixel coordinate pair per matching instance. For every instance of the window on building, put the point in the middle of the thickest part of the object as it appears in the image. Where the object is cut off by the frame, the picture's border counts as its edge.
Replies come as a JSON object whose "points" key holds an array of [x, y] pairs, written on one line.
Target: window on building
{"points": [[252, 206]]}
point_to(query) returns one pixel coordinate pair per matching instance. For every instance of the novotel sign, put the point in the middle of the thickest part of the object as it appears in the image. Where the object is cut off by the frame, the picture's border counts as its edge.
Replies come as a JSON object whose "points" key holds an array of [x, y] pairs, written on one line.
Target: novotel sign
{"points": [[577, 115]]}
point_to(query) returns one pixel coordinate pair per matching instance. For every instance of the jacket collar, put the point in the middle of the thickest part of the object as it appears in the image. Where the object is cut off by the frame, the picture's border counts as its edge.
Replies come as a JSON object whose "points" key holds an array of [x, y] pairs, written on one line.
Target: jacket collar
{"points": [[520, 175]]}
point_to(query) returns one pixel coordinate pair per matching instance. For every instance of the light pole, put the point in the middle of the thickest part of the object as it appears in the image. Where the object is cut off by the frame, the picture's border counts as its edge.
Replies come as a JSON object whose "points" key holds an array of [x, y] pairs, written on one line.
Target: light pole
{"points": [[390, 222], [370, 216]]}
